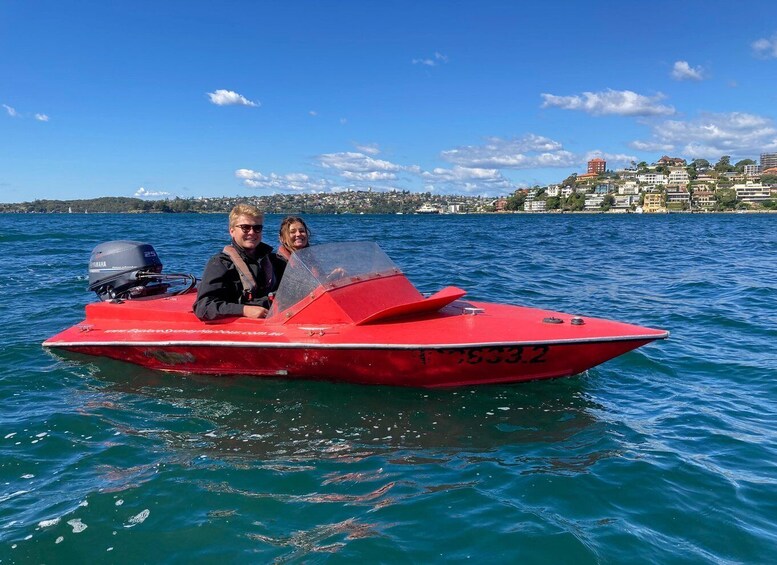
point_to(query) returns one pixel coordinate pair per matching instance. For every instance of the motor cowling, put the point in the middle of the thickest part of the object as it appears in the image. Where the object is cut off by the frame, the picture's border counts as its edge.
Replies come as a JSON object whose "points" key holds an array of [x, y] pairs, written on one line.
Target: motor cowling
{"points": [[124, 269]]}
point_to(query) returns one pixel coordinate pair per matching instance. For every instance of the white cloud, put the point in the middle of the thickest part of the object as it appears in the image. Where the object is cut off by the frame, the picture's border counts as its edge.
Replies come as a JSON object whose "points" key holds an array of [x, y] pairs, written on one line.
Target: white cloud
{"points": [[530, 151], [651, 146], [145, 193], [356, 170], [350, 164], [765, 48], [616, 102], [709, 136], [14, 114], [313, 113], [229, 98], [371, 176], [431, 61], [474, 169], [683, 71], [293, 181], [614, 160], [467, 179], [369, 148]]}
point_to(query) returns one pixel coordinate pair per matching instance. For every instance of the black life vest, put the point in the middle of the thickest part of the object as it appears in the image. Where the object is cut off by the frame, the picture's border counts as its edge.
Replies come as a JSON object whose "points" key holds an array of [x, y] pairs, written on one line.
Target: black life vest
{"points": [[247, 279]]}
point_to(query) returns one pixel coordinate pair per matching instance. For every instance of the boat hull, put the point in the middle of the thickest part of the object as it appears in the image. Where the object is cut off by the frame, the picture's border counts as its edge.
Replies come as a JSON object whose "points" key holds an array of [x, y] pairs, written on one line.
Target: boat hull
{"points": [[423, 367], [464, 343]]}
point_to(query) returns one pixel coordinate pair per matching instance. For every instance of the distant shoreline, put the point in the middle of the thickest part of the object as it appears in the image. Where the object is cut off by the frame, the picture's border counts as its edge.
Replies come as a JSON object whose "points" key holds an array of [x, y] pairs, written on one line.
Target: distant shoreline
{"points": [[482, 213], [357, 202]]}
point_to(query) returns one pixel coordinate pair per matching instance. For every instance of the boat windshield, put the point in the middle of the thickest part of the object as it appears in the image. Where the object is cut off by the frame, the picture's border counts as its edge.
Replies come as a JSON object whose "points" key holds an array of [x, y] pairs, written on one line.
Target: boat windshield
{"points": [[330, 265]]}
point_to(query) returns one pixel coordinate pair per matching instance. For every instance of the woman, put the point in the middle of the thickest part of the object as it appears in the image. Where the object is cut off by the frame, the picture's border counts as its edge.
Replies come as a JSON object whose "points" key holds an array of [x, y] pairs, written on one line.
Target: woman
{"points": [[293, 235]]}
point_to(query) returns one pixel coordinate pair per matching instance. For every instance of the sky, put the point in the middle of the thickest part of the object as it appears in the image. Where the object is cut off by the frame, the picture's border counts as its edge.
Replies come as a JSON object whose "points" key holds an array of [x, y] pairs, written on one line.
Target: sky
{"points": [[164, 99]]}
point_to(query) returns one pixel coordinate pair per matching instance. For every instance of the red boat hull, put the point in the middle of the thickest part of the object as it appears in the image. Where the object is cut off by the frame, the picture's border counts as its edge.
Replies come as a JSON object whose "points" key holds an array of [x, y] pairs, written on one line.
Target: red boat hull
{"points": [[428, 367], [463, 343]]}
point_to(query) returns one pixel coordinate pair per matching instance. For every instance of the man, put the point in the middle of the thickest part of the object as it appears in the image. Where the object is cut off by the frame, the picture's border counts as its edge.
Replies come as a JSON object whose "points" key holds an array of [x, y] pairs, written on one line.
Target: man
{"points": [[236, 281]]}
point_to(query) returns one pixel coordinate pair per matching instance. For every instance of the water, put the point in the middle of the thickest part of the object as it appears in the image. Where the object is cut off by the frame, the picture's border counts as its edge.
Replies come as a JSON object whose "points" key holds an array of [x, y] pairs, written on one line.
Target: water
{"points": [[667, 454]]}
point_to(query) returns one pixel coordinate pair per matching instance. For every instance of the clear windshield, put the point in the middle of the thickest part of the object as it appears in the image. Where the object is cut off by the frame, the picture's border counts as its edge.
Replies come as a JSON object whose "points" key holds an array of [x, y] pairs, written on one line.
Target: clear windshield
{"points": [[328, 264]]}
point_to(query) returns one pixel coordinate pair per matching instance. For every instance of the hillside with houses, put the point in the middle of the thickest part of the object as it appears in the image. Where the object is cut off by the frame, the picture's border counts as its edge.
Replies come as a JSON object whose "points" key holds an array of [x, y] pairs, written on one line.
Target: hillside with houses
{"points": [[670, 184]]}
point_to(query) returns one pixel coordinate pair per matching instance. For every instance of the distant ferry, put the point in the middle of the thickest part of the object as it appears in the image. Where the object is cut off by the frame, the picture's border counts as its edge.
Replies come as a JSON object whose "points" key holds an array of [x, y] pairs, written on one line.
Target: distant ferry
{"points": [[427, 209]]}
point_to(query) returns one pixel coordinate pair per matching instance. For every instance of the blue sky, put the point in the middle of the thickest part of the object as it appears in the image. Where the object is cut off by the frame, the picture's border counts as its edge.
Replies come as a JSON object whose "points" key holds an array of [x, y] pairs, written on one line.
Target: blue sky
{"points": [[161, 99]]}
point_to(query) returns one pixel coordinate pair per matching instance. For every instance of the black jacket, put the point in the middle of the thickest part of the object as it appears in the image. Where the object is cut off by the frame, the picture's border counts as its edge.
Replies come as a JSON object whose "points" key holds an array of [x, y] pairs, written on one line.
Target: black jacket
{"points": [[220, 293]]}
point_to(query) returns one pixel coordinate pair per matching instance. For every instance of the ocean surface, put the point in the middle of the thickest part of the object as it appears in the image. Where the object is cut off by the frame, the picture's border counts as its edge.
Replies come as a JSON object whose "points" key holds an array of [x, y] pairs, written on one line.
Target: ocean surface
{"points": [[667, 454]]}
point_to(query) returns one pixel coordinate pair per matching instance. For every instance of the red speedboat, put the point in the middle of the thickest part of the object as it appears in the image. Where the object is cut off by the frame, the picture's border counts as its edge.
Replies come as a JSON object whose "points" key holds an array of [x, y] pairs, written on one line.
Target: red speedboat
{"points": [[343, 312]]}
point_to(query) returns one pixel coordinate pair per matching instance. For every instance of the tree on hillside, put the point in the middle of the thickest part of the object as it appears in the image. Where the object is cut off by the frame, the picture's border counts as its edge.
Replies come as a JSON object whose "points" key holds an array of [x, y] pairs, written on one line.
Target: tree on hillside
{"points": [[740, 165], [770, 204], [575, 202], [700, 164], [516, 201], [570, 180], [726, 199], [724, 164]]}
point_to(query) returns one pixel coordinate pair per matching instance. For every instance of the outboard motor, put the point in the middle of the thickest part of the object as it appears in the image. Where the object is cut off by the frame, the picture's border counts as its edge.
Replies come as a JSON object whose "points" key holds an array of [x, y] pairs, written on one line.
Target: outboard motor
{"points": [[124, 269]]}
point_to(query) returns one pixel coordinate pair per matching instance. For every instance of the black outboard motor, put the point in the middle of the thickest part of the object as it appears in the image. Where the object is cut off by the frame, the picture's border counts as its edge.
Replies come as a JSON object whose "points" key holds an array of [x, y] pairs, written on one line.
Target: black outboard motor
{"points": [[124, 269]]}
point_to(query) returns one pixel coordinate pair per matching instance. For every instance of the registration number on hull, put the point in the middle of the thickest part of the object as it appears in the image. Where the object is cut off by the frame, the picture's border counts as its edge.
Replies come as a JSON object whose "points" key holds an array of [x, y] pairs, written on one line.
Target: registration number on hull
{"points": [[491, 355]]}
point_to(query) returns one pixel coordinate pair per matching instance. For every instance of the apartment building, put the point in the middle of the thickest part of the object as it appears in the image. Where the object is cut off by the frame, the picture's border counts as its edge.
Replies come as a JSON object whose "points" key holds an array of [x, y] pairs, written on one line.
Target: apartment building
{"points": [[768, 160], [653, 202], [628, 187], [652, 179], [593, 202], [752, 192], [535, 206], [625, 201], [677, 197], [678, 176], [597, 166], [703, 199]]}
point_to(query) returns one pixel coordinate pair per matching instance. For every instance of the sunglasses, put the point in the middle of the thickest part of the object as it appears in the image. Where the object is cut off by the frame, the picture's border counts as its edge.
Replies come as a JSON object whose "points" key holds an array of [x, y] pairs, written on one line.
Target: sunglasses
{"points": [[248, 227]]}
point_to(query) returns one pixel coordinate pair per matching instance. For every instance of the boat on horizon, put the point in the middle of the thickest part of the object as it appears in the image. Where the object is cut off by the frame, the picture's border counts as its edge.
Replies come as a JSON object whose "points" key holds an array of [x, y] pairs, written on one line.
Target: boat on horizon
{"points": [[343, 312], [427, 209]]}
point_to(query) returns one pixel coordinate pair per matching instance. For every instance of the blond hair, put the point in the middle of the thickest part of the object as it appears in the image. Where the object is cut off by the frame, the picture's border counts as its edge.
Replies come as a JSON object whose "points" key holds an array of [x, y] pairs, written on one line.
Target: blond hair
{"points": [[244, 209]]}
